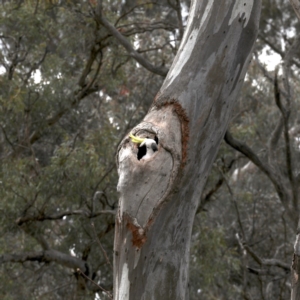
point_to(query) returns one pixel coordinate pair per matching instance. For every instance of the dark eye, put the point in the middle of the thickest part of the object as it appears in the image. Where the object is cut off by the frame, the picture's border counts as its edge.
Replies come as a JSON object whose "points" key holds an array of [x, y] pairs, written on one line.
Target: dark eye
{"points": [[154, 147]]}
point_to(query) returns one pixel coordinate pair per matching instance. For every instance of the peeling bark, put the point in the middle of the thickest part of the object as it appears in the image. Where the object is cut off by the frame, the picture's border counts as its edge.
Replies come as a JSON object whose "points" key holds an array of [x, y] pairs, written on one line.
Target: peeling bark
{"points": [[188, 118]]}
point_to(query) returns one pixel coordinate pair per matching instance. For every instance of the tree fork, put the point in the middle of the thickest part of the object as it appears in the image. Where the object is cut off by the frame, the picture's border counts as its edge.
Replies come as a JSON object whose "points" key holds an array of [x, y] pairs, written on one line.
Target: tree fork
{"points": [[188, 119]]}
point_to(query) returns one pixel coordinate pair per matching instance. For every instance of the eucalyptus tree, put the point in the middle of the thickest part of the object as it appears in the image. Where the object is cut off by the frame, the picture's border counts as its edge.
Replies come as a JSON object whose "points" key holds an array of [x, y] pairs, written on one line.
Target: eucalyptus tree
{"points": [[188, 118]]}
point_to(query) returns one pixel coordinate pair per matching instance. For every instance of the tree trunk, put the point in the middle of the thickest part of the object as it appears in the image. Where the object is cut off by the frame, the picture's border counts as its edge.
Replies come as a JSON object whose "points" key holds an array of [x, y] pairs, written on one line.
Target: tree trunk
{"points": [[188, 118]]}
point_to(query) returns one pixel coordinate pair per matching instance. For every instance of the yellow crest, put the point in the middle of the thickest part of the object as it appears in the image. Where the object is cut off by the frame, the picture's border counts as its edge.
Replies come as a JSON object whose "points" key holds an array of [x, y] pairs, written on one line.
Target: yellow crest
{"points": [[136, 139]]}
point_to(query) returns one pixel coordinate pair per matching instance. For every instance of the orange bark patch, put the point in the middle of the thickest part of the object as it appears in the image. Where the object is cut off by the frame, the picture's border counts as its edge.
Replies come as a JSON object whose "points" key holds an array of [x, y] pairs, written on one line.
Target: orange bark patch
{"points": [[138, 234]]}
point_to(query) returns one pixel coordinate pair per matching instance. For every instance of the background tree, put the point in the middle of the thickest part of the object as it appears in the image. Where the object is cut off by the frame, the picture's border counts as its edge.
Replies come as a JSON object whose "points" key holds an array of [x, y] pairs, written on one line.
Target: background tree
{"points": [[70, 91]]}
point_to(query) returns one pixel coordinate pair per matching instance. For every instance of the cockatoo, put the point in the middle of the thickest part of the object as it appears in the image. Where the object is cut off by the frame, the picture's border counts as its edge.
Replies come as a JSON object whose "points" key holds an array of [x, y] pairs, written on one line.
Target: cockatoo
{"points": [[150, 144]]}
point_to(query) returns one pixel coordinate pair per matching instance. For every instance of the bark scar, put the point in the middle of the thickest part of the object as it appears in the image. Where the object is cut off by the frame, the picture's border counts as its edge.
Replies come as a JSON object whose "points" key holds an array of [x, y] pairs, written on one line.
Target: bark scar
{"points": [[184, 121], [139, 236]]}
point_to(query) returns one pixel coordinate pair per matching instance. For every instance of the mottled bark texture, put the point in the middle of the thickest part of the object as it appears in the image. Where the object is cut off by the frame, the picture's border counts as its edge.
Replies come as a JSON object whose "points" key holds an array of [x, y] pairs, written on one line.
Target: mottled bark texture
{"points": [[188, 119]]}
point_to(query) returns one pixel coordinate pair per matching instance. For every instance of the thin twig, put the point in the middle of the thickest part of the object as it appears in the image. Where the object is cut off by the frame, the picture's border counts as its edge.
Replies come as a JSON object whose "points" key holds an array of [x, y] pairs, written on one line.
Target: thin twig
{"points": [[99, 243], [100, 287], [267, 261], [235, 206]]}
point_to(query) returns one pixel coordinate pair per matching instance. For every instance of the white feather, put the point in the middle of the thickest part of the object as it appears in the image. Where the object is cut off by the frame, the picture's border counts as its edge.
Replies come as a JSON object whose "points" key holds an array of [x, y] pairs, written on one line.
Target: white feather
{"points": [[150, 144]]}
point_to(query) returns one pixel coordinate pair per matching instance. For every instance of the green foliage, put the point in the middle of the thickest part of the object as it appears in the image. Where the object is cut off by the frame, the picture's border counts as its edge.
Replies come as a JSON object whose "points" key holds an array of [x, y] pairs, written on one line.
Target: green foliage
{"points": [[213, 264]]}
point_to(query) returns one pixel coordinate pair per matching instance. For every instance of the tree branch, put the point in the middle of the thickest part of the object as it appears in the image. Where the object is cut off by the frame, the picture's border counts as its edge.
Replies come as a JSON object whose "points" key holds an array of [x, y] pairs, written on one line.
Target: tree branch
{"points": [[273, 141], [47, 256], [58, 257], [36, 135], [144, 28], [277, 50], [248, 152], [86, 88], [60, 215], [271, 45], [35, 66], [280, 188], [108, 293], [88, 67], [267, 74], [238, 215], [101, 247], [262, 272], [285, 111], [271, 262], [177, 8], [16, 57], [133, 8], [206, 197], [99, 17], [292, 52]]}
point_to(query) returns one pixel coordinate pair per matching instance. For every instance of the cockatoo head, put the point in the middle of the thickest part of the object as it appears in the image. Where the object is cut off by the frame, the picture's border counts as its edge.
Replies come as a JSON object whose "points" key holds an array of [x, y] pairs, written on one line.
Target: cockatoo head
{"points": [[150, 144]]}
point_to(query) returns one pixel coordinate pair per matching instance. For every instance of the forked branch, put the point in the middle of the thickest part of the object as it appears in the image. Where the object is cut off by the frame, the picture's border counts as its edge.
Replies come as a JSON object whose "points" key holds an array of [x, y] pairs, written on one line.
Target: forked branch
{"points": [[100, 18], [270, 262]]}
